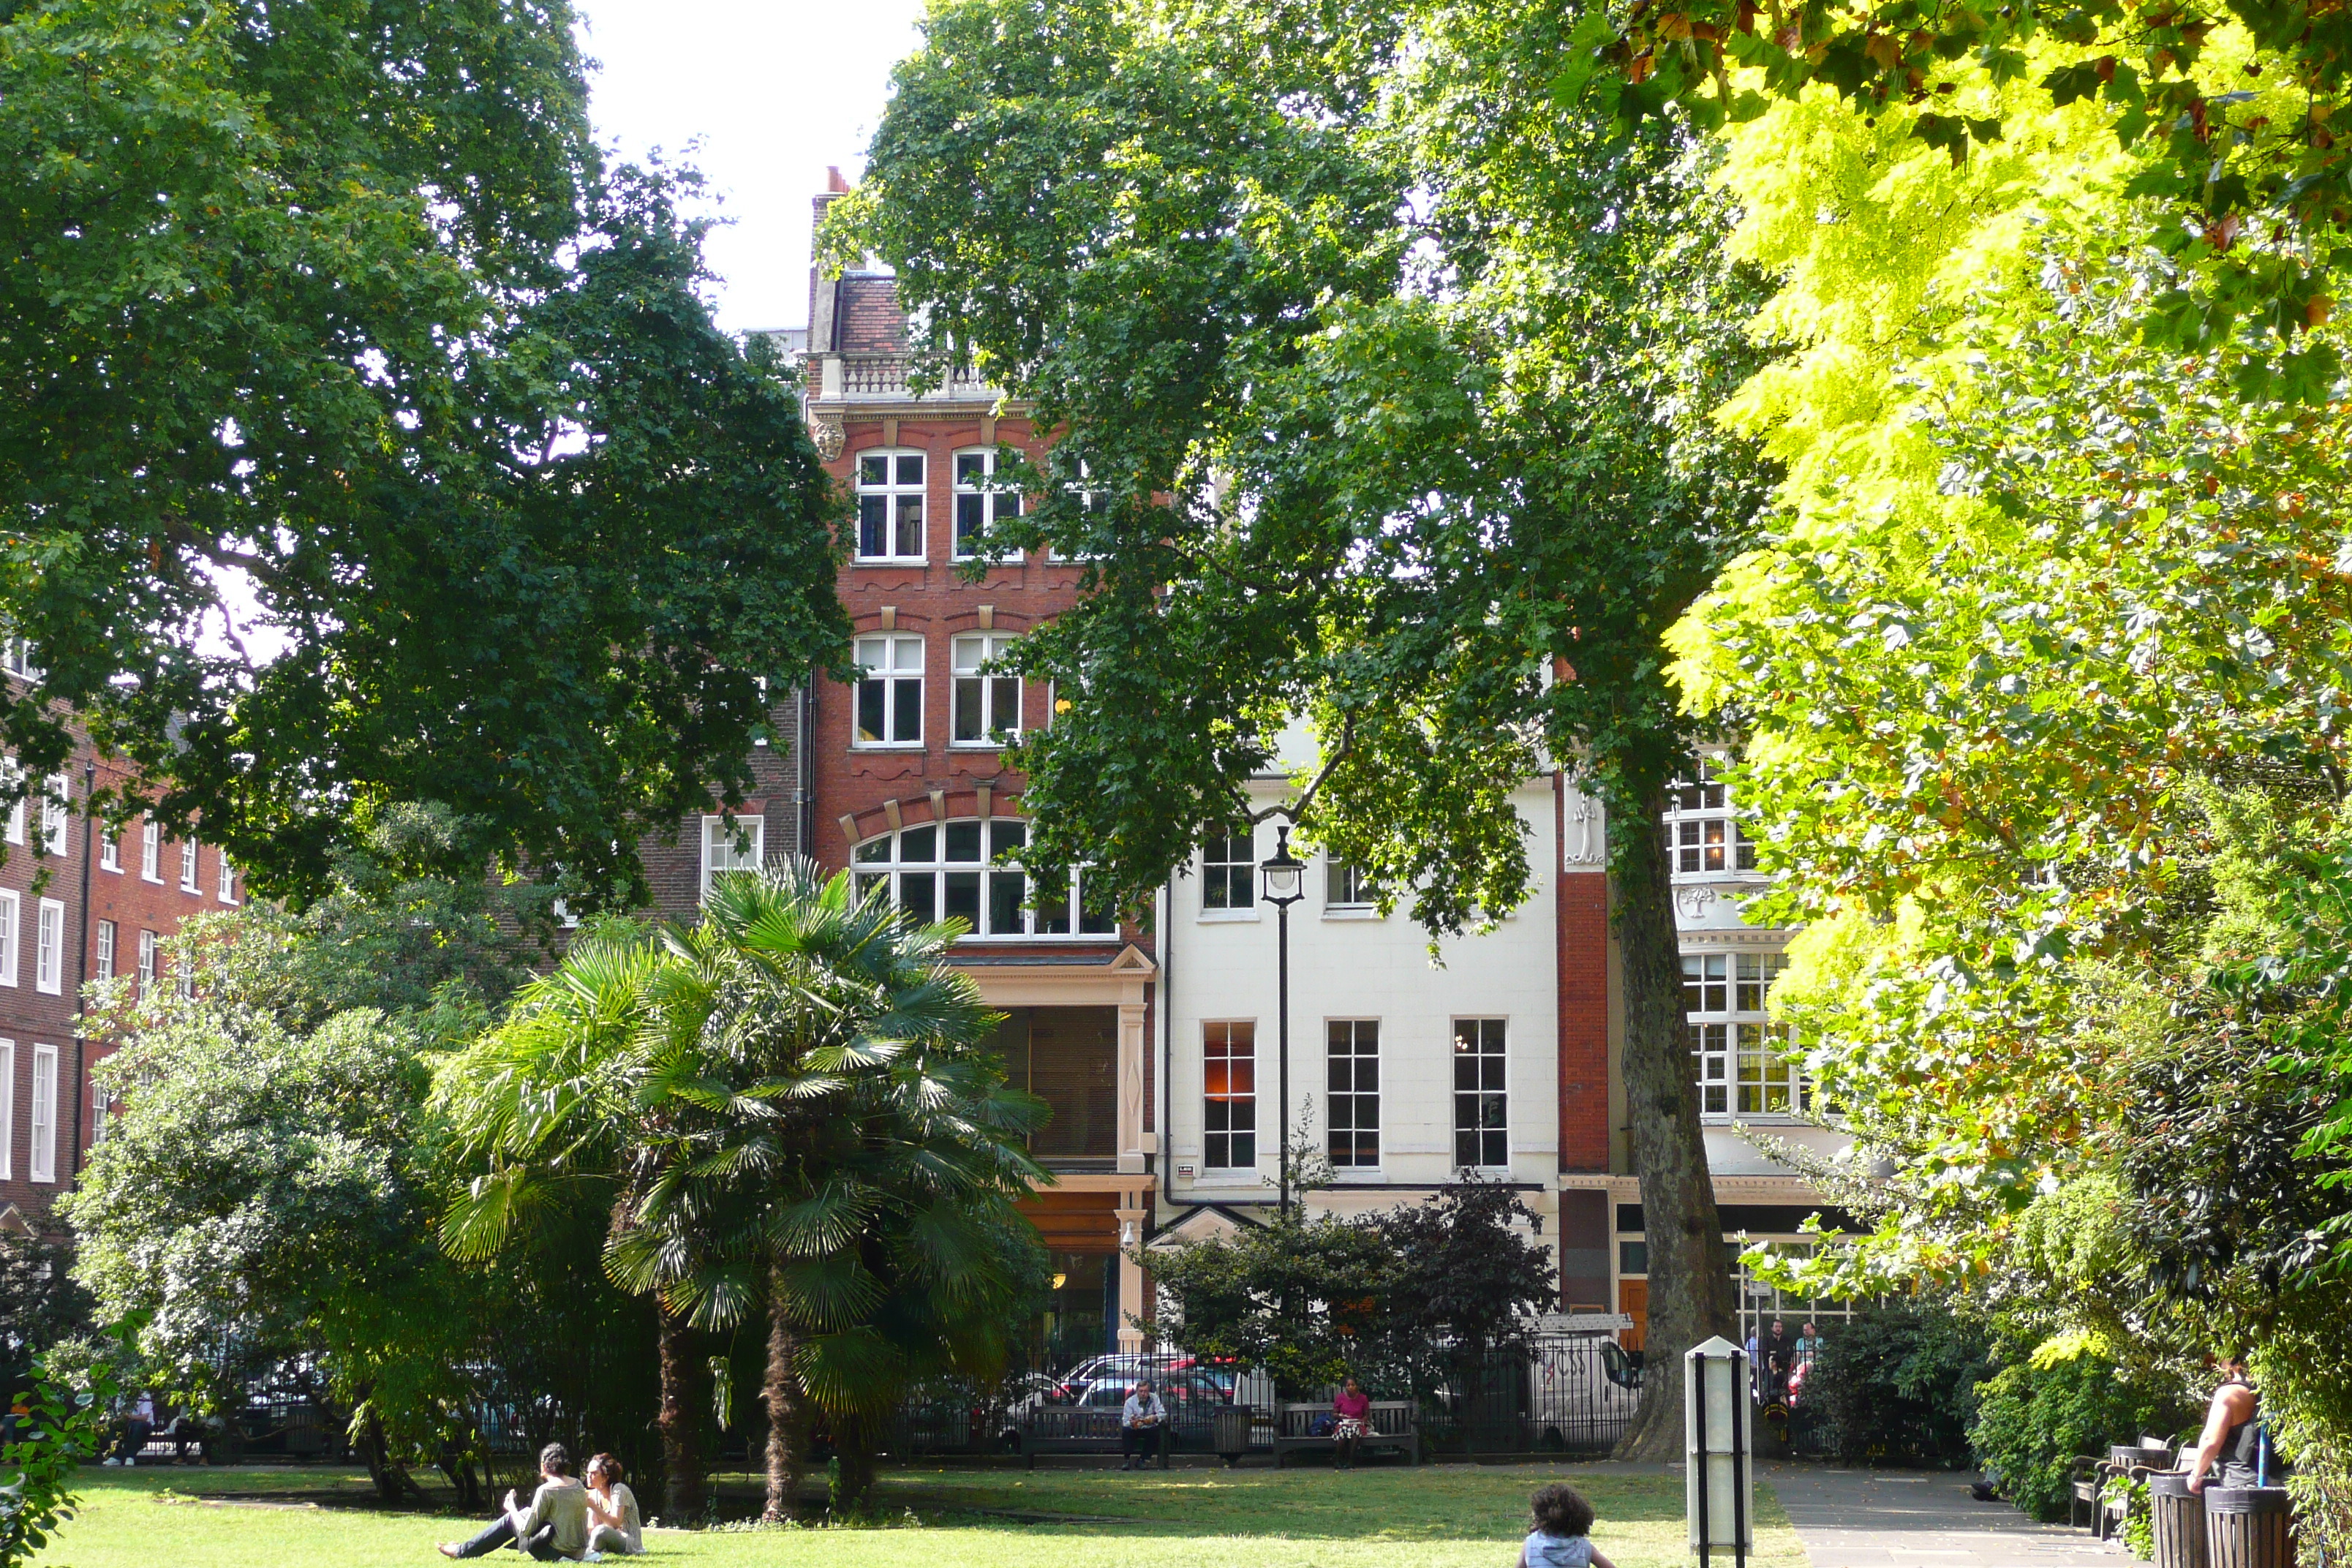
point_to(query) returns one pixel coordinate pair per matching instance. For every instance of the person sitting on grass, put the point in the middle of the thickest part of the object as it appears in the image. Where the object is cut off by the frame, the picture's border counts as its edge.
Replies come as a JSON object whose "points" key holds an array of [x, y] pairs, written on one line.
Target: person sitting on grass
{"points": [[1562, 1534], [552, 1529], [1139, 1420], [617, 1529], [1352, 1410]]}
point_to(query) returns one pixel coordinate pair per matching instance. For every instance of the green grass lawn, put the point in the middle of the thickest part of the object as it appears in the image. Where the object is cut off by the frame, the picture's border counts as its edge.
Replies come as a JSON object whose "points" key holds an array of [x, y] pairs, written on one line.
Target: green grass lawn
{"points": [[1453, 1516]]}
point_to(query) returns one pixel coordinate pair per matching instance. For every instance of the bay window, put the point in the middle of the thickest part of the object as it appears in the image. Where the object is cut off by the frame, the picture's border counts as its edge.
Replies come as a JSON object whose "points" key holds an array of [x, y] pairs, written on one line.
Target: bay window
{"points": [[1707, 839], [969, 870], [1746, 1064]]}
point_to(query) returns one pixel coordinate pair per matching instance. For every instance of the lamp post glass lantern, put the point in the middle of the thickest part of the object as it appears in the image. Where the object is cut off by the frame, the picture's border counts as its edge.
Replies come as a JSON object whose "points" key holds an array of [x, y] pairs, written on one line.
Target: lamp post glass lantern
{"points": [[1718, 1447], [1286, 884]]}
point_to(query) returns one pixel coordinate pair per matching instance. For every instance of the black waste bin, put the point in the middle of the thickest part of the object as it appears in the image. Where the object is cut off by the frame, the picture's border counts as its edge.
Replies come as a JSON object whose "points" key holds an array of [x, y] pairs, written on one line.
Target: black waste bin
{"points": [[1229, 1431], [2247, 1527], [2179, 1517]]}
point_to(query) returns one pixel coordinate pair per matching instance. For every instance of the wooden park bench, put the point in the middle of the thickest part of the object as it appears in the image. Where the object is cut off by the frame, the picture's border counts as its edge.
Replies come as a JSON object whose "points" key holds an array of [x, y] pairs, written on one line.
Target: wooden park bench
{"points": [[2091, 1505], [1059, 1430], [1395, 1424]]}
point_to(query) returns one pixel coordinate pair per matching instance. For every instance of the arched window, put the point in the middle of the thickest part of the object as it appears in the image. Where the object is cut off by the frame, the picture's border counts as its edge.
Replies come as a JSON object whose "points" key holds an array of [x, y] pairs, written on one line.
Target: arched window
{"points": [[969, 870]]}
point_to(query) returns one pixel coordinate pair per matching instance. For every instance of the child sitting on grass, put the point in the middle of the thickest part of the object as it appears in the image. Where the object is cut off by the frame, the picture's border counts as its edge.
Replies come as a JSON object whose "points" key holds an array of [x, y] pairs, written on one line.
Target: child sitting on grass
{"points": [[1560, 1539]]}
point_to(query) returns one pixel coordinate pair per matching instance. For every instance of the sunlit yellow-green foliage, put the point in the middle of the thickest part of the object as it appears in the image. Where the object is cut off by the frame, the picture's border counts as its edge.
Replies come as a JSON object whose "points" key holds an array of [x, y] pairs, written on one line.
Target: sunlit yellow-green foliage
{"points": [[1890, 262], [1897, 271]]}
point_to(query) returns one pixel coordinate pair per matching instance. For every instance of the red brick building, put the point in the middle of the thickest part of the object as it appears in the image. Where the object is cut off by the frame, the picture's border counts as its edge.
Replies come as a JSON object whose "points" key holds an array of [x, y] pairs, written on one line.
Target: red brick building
{"points": [[76, 905], [42, 906], [901, 776]]}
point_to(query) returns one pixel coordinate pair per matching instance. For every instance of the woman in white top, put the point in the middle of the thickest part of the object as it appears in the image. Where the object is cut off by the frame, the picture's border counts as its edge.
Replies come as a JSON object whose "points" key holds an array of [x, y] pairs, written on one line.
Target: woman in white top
{"points": [[619, 1530]]}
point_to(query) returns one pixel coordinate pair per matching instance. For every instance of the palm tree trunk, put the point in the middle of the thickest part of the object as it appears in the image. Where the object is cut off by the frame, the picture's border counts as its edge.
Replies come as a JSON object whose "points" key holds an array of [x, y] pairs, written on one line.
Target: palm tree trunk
{"points": [[853, 1437], [787, 1424], [684, 1400], [1690, 1271]]}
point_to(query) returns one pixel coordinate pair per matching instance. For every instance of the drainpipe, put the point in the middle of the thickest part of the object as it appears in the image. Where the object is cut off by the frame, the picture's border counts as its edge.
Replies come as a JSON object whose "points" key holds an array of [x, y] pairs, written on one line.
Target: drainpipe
{"points": [[804, 767], [81, 958]]}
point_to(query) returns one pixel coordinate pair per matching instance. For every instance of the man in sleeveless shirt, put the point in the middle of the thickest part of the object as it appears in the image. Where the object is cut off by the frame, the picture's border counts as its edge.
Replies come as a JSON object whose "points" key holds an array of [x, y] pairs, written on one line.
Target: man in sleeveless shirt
{"points": [[2226, 1453]]}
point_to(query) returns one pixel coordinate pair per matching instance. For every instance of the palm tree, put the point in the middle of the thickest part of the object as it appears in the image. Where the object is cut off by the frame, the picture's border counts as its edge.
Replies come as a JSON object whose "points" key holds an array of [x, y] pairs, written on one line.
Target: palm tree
{"points": [[567, 1102], [870, 1122], [793, 1101]]}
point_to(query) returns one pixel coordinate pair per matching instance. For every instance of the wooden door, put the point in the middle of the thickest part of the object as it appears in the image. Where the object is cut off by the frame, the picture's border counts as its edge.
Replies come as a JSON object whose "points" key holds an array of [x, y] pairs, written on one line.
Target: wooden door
{"points": [[1634, 1300]]}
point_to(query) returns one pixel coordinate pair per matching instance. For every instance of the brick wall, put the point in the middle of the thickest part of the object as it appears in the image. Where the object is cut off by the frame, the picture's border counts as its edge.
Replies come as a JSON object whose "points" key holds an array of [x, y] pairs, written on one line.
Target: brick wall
{"points": [[38, 1024], [32, 1018], [868, 320], [673, 859], [1584, 1052]]}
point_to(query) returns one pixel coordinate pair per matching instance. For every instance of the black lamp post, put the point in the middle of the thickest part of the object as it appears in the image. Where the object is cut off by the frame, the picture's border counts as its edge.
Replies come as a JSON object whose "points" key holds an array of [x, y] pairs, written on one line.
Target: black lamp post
{"points": [[1286, 884]]}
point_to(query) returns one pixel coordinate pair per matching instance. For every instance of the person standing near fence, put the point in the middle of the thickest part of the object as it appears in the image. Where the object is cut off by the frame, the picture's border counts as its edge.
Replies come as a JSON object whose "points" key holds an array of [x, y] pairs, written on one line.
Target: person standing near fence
{"points": [[1140, 1421]]}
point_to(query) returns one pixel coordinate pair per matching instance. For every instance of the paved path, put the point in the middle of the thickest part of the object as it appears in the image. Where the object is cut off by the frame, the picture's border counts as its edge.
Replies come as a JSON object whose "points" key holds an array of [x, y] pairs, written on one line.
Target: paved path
{"points": [[1903, 1519]]}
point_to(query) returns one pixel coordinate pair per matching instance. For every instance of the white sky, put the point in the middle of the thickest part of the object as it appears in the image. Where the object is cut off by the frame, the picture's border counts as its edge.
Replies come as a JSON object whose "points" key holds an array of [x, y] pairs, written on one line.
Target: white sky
{"points": [[774, 91]]}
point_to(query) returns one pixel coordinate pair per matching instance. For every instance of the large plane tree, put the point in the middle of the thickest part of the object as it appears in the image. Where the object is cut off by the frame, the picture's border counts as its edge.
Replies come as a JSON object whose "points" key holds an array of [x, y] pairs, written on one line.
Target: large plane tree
{"points": [[1381, 390]]}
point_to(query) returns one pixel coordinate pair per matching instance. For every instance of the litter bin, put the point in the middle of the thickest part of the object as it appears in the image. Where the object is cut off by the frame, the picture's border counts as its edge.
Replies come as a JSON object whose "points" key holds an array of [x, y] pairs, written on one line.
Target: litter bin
{"points": [[1229, 1431], [2179, 1517], [2246, 1527]]}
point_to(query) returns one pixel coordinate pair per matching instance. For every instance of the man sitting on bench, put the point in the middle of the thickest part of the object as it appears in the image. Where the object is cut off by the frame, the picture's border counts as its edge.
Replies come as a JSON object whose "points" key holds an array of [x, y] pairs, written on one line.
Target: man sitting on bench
{"points": [[1139, 1422]]}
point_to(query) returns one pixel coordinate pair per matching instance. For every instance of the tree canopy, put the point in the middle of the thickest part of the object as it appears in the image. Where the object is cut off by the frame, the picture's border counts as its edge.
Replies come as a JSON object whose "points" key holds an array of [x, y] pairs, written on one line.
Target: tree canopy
{"points": [[2040, 678], [1379, 388], [368, 439], [2228, 109]]}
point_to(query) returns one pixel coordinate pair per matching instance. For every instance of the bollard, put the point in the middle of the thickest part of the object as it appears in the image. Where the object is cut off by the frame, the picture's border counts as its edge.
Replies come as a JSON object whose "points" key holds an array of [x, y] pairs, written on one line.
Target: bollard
{"points": [[2179, 1517], [2247, 1527], [1719, 1446]]}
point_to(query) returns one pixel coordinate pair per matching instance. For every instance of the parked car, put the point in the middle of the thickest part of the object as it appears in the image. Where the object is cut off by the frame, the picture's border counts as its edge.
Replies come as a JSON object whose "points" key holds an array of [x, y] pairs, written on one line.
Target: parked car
{"points": [[1181, 1391]]}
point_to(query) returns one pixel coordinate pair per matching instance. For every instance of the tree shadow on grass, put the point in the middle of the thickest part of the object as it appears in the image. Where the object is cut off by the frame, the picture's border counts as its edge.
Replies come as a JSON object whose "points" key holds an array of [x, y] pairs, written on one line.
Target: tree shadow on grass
{"points": [[1451, 1503]]}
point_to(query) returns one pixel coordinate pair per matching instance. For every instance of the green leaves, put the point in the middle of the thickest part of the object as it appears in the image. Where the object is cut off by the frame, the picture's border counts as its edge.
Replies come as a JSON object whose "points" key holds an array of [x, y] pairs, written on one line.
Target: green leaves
{"points": [[792, 1106], [372, 443], [1394, 384]]}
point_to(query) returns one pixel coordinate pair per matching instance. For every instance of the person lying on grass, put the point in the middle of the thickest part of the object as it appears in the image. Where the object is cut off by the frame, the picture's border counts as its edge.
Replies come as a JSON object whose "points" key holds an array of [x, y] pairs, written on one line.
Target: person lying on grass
{"points": [[552, 1529], [1562, 1534]]}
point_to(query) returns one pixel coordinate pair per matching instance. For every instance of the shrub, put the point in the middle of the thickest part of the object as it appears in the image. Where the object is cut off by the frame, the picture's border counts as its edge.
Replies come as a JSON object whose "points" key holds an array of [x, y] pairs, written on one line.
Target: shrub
{"points": [[1900, 1383], [2066, 1399]]}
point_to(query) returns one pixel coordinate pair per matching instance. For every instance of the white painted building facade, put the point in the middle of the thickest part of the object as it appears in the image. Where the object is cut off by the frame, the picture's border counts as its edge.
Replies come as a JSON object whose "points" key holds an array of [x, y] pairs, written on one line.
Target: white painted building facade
{"points": [[1402, 1070]]}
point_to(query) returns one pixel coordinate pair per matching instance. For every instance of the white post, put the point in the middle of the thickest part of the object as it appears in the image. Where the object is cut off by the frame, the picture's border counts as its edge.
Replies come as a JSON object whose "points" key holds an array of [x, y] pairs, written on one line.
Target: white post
{"points": [[1718, 1450]]}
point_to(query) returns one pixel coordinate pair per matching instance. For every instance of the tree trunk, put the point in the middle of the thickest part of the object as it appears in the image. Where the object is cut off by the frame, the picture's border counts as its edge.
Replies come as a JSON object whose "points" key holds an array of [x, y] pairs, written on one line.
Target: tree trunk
{"points": [[1690, 1269], [788, 1419], [685, 1404], [457, 1462], [393, 1482], [853, 1442]]}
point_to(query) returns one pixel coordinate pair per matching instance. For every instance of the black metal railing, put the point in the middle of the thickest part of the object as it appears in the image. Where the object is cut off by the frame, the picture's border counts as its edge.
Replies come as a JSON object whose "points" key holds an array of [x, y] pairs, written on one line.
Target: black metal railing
{"points": [[1567, 1393]]}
